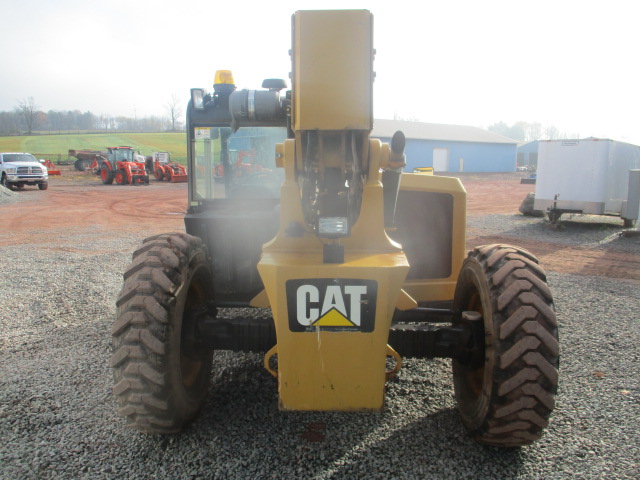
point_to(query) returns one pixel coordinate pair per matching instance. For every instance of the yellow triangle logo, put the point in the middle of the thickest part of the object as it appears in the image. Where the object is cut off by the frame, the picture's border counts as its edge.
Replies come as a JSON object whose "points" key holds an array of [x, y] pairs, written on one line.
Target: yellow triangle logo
{"points": [[333, 318]]}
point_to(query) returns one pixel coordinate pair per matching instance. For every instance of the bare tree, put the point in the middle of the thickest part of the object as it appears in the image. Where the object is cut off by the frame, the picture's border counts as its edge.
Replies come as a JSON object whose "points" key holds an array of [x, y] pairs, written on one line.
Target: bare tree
{"points": [[28, 109], [552, 132], [174, 110]]}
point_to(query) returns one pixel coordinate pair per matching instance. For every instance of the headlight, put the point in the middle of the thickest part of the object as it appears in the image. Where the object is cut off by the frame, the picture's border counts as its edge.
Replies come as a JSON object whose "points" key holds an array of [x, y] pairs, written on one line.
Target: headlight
{"points": [[197, 98], [333, 227], [13, 170]]}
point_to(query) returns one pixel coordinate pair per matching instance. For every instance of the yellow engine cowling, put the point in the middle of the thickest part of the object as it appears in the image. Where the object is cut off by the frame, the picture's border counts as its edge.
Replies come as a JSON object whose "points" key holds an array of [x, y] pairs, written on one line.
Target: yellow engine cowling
{"points": [[332, 320]]}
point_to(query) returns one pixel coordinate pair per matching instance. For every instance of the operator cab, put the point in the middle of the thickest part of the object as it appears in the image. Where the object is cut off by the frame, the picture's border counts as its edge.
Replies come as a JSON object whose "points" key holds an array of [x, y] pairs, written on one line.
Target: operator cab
{"points": [[122, 154], [234, 183], [232, 139], [225, 164]]}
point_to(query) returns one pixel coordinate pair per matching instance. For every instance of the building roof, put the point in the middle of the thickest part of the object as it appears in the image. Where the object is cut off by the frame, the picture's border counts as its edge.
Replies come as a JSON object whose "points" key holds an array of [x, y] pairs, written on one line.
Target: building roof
{"points": [[437, 131]]}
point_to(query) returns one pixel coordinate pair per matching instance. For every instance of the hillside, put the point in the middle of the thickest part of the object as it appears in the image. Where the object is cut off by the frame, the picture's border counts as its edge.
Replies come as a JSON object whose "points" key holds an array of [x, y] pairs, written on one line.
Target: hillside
{"points": [[146, 143]]}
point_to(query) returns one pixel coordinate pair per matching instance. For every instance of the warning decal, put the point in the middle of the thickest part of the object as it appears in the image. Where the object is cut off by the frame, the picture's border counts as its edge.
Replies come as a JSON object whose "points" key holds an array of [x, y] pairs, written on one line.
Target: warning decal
{"points": [[336, 304]]}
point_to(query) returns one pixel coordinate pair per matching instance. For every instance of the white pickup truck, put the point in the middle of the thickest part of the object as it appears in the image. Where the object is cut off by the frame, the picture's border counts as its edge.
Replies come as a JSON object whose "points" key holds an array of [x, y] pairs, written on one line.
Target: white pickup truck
{"points": [[20, 169]]}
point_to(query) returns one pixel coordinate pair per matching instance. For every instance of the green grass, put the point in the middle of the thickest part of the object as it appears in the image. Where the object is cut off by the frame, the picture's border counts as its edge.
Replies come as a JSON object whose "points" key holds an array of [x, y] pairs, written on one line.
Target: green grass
{"points": [[146, 143]]}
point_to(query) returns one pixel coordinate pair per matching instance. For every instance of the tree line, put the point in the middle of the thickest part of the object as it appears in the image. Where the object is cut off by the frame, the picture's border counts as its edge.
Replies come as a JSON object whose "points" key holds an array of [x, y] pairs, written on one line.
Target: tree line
{"points": [[530, 131], [28, 118]]}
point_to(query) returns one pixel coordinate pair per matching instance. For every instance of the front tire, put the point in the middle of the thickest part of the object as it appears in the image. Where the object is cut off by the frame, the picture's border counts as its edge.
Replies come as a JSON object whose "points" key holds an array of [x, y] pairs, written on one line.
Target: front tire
{"points": [[161, 371], [508, 399], [43, 186], [121, 177], [5, 183]]}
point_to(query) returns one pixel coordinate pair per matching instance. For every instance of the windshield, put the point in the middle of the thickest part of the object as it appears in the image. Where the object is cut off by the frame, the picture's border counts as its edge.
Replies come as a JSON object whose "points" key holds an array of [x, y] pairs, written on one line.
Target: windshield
{"points": [[18, 157], [123, 155], [242, 162]]}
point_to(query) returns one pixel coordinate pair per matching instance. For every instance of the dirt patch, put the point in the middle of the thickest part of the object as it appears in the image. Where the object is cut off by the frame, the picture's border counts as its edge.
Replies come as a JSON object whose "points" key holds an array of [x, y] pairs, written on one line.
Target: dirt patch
{"points": [[77, 201]]}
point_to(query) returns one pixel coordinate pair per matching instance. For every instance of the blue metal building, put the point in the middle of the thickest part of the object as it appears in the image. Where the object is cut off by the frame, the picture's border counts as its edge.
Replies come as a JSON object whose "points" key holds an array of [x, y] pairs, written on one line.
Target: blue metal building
{"points": [[450, 148], [528, 155]]}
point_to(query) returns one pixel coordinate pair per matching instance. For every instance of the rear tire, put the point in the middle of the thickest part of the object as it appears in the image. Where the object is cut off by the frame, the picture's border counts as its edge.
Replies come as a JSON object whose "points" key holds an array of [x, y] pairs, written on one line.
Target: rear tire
{"points": [[158, 174], [507, 401], [161, 371]]}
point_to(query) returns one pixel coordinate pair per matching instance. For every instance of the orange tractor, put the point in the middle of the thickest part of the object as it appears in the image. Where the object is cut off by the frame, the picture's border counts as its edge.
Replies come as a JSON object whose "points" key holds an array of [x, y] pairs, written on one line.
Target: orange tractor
{"points": [[121, 165], [244, 166], [165, 169]]}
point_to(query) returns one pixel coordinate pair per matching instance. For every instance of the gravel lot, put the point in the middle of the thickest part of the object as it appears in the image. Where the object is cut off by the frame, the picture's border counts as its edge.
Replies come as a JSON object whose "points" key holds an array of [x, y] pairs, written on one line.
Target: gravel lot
{"points": [[57, 414]]}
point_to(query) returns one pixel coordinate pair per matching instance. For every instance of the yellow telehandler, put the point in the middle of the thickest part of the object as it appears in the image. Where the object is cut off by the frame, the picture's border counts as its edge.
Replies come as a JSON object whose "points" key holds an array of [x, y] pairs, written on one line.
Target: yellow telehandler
{"points": [[361, 265]]}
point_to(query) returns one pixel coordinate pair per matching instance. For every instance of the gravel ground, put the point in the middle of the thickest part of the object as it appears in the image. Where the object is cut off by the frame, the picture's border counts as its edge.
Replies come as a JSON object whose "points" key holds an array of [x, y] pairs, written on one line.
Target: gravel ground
{"points": [[591, 231], [57, 413], [6, 195]]}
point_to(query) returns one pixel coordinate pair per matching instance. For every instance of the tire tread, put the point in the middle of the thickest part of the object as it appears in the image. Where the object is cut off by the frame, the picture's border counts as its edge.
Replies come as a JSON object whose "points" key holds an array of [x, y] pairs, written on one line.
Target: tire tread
{"points": [[139, 352], [525, 374]]}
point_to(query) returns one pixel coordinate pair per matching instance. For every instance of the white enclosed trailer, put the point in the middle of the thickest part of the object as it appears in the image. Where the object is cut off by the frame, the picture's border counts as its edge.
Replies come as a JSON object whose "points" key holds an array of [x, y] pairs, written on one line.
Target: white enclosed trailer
{"points": [[590, 176]]}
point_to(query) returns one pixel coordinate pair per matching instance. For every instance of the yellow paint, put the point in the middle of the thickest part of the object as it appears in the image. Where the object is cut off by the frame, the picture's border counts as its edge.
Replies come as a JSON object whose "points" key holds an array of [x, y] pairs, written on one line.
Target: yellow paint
{"points": [[439, 289], [332, 72], [332, 370], [327, 360]]}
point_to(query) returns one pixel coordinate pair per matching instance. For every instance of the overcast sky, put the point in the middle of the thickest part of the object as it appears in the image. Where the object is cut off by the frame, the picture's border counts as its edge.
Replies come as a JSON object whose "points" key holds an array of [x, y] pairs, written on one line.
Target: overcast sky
{"points": [[571, 64]]}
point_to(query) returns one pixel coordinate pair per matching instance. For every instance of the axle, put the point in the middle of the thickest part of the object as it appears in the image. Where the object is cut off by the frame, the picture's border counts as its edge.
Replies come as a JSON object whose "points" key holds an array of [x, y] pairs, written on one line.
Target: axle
{"points": [[462, 340]]}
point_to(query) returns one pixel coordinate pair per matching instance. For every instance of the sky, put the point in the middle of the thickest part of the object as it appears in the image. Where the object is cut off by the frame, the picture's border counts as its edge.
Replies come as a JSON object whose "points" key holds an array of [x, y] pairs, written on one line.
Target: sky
{"points": [[570, 64]]}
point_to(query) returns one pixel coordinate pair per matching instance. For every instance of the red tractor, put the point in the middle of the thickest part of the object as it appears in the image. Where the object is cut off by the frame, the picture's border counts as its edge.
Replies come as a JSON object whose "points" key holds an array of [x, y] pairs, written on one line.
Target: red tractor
{"points": [[165, 169], [243, 167], [122, 166]]}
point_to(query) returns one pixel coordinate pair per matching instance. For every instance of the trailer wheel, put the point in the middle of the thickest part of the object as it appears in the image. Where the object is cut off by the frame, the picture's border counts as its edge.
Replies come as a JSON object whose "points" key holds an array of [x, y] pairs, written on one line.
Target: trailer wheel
{"points": [[161, 371], [508, 399], [106, 175], [81, 164]]}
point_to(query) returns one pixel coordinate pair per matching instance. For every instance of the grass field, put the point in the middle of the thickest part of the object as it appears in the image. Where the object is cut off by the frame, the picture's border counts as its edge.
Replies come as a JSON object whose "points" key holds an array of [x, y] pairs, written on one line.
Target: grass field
{"points": [[146, 143]]}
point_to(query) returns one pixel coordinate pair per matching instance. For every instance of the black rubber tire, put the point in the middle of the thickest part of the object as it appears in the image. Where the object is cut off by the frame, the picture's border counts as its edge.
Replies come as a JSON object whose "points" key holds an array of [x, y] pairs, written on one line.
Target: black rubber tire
{"points": [[628, 223], [81, 164], [161, 375], [507, 401], [120, 177], [43, 186], [106, 175], [5, 183]]}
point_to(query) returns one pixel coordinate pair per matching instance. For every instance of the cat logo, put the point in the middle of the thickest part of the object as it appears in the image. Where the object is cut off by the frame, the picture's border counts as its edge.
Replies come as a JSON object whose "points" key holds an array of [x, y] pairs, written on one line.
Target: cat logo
{"points": [[335, 304]]}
